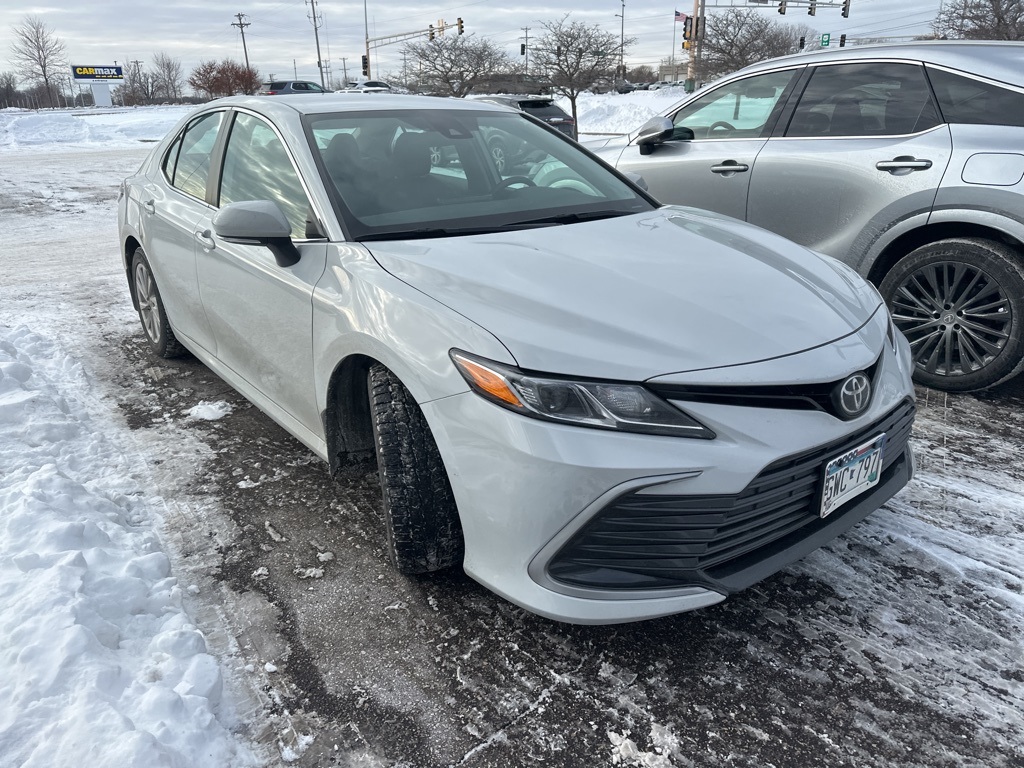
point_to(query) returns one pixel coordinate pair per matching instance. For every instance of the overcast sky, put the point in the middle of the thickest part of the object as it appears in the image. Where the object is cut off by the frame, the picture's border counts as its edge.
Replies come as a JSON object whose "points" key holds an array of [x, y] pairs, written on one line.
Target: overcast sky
{"points": [[280, 37]]}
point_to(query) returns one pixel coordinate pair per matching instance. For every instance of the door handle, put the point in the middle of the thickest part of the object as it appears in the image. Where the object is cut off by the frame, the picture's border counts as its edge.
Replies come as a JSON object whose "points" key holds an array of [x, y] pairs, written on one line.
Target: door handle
{"points": [[205, 239], [730, 167], [907, 164], [149, 206]]}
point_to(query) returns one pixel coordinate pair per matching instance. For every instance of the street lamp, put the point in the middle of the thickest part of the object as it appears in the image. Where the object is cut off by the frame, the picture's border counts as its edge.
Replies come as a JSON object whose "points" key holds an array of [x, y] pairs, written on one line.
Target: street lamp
{"points": [[622, 41]]}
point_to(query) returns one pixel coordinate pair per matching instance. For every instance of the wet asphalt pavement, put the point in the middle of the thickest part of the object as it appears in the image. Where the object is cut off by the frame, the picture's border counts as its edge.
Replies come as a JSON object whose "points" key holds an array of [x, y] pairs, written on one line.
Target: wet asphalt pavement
{"points": [[804, 669]]}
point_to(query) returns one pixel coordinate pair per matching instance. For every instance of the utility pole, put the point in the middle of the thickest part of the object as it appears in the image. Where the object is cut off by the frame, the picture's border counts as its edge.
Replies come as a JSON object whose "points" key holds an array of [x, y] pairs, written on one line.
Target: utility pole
{"points": [[241, 28], [344, 69], [317, 20]]}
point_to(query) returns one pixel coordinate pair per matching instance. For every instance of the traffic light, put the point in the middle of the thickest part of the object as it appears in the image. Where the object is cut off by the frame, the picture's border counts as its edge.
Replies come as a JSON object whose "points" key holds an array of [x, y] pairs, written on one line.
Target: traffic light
{"points": [[366, 65], [812, 9], [688, 28], [846, 9], [430, 32], [842, 41], [558, 52], [458, 23], [522, 49], [802, 41], [782, 7], [687, 45]]}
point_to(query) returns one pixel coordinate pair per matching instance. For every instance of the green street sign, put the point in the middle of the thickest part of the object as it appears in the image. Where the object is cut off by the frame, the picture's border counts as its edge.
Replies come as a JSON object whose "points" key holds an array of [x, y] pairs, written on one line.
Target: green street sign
{"points": [[825, 40]]}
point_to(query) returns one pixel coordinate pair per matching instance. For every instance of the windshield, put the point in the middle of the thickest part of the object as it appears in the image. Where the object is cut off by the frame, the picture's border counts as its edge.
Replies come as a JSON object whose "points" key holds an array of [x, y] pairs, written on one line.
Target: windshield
{"points": [[415, 173]]}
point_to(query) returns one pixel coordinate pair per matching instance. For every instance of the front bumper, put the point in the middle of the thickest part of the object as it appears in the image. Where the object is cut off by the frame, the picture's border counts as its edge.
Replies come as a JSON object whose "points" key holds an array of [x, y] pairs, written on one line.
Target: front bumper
{"points": [[533, 497]]}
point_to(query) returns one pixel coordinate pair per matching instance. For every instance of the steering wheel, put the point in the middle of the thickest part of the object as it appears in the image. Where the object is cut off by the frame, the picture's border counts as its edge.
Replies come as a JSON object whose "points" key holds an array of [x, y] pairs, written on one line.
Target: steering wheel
{"points": [[506, 183], [721, 124]]}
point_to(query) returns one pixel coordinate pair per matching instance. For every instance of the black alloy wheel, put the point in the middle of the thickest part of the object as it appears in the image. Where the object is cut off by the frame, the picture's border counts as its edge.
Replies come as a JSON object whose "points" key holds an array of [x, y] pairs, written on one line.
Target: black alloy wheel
{"points": [[960, 303]]}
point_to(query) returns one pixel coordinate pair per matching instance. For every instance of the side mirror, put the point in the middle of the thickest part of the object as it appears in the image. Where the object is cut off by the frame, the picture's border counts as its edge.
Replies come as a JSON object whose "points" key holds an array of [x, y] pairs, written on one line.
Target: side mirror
{"points": [[257, 222], [654, 132]]}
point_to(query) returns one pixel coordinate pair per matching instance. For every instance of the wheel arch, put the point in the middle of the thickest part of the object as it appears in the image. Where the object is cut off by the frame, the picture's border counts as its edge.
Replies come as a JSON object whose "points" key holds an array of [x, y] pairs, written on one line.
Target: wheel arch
{"points": [[348, 429], [131, 244], [932, 233]]}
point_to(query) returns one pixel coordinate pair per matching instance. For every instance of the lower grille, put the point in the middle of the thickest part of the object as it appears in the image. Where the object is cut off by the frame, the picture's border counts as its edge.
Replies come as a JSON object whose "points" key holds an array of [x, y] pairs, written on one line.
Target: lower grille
{"points": [[651, 542]]}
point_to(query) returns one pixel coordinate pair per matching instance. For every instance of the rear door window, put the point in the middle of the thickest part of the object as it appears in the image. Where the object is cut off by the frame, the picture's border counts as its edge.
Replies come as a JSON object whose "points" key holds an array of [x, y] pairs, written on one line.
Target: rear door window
{"points": [[187, 164], [874, 99], [966, 100]]}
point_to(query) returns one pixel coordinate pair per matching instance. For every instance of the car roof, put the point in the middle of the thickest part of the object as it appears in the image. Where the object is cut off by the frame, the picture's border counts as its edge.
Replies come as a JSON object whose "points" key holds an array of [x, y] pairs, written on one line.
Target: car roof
{"points": [[998, 60], [288, 104]]}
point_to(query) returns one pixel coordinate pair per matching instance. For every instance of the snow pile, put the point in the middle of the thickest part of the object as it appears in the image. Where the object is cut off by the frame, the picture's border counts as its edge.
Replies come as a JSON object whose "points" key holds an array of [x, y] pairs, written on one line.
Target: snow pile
{"points": [[100, 662], [87, 129], [207, 411], [620, 113]]}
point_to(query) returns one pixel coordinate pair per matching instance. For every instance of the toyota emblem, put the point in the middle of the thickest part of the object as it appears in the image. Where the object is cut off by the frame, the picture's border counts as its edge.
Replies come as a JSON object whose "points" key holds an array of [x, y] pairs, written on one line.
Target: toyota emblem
{"points": [[852, 395]]}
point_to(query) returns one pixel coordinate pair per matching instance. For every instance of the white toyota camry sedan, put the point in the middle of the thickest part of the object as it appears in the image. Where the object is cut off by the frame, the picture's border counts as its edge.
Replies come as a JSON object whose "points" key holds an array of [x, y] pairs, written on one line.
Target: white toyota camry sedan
{"points": [[602, 408]]}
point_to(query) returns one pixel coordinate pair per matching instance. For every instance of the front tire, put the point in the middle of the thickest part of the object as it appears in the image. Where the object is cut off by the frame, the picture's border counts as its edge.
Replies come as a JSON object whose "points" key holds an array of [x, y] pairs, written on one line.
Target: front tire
{"points": [[420, 516], [151, 309], [960, 303]]}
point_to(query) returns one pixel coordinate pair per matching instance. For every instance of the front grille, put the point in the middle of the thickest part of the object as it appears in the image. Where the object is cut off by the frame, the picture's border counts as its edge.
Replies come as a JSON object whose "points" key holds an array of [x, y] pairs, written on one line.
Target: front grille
{"points": [[800, 397], [650, 542]]}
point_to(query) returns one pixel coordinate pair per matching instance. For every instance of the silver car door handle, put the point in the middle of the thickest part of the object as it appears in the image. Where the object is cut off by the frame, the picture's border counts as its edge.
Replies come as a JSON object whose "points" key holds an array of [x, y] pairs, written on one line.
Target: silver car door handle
{"points": [[730, 166], [903, 164], [205, 238], [149, 206]]}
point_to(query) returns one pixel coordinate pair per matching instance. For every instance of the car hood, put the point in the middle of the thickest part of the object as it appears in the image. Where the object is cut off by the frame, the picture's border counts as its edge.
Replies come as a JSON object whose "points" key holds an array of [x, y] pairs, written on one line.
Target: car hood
{"points": [[638, 296]]}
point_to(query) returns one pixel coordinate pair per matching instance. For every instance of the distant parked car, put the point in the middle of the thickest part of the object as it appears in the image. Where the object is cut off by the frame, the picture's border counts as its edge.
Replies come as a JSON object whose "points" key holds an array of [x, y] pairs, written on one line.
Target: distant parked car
{"points": [[369, 86], [659, 84], [601, 408], [278, 87], [905, 161]]}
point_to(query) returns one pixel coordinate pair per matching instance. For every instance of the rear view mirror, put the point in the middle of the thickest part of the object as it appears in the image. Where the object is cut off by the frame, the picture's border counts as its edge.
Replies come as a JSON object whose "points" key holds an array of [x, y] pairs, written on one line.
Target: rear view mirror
{"points": [[257, 222], [654, 132]]}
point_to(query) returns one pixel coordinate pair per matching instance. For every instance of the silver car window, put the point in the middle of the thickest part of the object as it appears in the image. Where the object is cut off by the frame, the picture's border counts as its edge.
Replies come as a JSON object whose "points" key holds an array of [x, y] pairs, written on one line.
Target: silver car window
{"points": [[967, 100], [257, 167], [871, 99], [740, 109], [187, 164]]}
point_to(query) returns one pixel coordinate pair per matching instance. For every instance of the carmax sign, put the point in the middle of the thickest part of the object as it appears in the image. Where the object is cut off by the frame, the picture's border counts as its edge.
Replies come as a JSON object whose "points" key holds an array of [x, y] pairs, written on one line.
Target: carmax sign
{"points": [[98, 73]]}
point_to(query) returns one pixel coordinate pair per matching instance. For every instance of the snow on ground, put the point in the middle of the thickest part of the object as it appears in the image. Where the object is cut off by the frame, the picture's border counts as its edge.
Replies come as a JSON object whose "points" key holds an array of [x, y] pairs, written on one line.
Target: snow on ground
{"points": [[100, 660]]}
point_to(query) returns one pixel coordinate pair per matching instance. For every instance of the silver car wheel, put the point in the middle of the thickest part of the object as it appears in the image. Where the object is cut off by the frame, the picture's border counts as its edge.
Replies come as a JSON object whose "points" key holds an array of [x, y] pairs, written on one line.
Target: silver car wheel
{"points": [[149, 304]]}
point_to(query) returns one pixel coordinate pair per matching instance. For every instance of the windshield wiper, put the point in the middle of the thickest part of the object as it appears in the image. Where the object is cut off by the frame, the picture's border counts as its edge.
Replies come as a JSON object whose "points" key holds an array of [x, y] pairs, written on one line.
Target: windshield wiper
{"points": [[425, 232], [573, 218]]}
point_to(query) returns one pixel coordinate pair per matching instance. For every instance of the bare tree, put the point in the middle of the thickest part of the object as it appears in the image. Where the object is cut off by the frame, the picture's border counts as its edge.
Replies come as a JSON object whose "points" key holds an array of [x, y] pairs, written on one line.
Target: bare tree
{"points": [[39, 53], [168, 75], [641, 74], [981, 20], [8, 88], [575, 56], [739, 37], [212, 79], [453, 65]]}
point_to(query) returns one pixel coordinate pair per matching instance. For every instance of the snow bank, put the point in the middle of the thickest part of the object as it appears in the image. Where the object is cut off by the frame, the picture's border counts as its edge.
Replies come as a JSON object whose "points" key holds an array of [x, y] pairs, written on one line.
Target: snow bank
{"points": [[100, 662], [86, 128]]}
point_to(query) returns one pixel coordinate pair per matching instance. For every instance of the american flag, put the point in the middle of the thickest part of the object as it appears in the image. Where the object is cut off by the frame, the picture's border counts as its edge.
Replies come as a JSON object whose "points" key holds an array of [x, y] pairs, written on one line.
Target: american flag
{"points": [[681, 17]]}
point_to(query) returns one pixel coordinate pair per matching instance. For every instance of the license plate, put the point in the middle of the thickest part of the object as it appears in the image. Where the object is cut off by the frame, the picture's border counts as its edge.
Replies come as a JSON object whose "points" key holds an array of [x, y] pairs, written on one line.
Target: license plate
{"points": [[852, 473]]}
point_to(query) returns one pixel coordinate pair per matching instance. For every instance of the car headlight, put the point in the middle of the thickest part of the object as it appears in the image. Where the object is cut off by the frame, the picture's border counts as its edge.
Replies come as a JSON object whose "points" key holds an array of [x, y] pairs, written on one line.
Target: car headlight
{"points": [[603, 405]]}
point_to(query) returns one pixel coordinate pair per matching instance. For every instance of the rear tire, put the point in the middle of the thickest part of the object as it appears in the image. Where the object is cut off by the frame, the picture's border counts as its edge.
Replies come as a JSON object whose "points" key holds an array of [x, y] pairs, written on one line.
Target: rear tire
{"points": [[960, 303], [151, 309], [420, 516]]}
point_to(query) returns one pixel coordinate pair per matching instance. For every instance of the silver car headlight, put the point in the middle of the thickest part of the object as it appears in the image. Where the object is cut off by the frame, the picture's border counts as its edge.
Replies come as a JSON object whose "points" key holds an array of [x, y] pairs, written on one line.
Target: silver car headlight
{"points": [[603, 405]]}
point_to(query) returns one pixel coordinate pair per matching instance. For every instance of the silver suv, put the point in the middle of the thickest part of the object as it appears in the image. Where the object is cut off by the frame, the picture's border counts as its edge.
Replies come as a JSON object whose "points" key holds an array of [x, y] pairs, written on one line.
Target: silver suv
{"points": [[905, 161]]}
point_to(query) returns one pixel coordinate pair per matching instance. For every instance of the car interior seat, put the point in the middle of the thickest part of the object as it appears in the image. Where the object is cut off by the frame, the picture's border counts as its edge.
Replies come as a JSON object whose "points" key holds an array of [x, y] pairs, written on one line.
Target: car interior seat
{"points": [[847, 119]]}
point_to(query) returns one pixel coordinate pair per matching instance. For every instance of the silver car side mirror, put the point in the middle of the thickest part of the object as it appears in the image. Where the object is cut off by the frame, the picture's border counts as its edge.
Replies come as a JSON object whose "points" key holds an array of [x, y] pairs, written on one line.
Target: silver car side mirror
{"points": [[653, 132], [257, 222]]}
